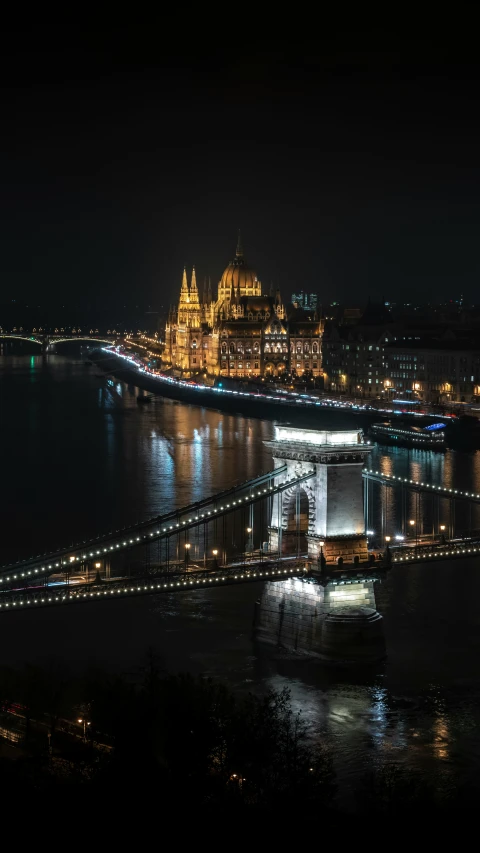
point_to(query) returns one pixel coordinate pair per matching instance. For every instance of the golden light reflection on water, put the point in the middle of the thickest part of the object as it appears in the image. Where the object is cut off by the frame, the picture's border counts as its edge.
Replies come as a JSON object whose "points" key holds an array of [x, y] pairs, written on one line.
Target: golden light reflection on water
{"points": [[441, 739]]}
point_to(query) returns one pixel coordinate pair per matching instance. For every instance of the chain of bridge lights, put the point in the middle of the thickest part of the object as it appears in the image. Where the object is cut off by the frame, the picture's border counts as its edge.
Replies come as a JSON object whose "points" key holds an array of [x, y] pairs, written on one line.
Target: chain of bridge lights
{"points": [[149, 588], [172, 528], [442, 489], [174, 586], [446, 553], [76, 547]]}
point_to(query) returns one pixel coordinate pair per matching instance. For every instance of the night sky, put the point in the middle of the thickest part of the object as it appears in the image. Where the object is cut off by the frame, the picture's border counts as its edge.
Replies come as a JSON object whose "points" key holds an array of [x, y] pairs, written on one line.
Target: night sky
{"points": [[351, 165]]}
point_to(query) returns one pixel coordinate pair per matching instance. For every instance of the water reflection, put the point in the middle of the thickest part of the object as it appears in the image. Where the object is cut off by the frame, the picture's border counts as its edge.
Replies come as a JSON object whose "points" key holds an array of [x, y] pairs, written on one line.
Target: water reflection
{"points": [[83, 458]]}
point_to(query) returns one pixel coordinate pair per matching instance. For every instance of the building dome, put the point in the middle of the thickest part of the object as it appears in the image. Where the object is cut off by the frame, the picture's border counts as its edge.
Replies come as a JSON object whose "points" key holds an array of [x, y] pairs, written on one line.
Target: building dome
{"points": [[239, 275]]}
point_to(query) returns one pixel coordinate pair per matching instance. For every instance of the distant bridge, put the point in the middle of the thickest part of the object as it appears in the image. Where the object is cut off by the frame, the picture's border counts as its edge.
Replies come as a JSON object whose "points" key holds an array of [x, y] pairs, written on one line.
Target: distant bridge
{"points": [[47, 340]]}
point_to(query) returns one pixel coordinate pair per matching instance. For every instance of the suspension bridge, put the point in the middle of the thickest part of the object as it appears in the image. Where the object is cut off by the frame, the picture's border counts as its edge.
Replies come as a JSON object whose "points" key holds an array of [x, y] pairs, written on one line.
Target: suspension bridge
{"points": [[308, 517]]}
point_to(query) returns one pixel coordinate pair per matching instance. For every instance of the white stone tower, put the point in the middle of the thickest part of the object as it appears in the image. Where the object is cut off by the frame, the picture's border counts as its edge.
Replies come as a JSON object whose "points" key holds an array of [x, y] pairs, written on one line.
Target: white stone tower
{"points": [[325, 513]]}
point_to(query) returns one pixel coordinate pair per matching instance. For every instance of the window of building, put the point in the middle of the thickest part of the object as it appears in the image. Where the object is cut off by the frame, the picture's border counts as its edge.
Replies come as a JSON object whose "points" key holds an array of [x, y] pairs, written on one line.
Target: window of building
{"points": [[194, 360], [315, 348], [256, 365], [224, 347], [232, 347], [315, 365]]}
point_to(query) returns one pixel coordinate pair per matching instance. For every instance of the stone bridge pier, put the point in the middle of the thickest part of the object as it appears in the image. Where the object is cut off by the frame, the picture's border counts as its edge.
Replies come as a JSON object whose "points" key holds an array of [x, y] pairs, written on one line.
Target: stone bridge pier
{"points": [[323, 516]]}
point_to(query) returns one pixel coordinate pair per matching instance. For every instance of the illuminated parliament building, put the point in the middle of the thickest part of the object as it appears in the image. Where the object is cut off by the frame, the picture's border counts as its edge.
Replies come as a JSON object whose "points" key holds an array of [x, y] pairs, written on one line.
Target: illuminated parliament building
{"points": [[243, 331]]}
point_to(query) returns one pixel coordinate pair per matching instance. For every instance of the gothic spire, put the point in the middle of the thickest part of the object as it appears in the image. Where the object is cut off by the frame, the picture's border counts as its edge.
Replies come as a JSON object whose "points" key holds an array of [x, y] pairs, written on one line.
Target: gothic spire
{"points": [[193, 288], [184, 290]]}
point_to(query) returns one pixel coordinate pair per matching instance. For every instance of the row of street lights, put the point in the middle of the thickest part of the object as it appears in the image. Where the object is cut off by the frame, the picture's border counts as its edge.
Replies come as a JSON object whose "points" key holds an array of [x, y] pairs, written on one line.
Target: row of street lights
{"points": [[412, 524], [215, 550]]}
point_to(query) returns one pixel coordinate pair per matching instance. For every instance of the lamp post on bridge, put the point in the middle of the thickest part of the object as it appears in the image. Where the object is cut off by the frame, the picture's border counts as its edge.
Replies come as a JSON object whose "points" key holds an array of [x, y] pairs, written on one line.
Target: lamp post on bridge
{"points": [[187, 549], [249, 547], [321, 557]]}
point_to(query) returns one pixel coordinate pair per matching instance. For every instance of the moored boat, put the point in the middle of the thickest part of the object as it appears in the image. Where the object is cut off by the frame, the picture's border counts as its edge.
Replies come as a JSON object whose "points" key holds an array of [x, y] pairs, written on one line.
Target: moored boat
{"points": [[430, 437]]}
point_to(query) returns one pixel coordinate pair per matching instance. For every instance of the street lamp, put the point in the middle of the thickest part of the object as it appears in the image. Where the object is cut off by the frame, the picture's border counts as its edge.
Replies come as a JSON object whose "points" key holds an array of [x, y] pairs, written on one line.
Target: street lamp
{"points": [[187, 549], [85, 724], [442, 529], [249, 540], [388, 538]]}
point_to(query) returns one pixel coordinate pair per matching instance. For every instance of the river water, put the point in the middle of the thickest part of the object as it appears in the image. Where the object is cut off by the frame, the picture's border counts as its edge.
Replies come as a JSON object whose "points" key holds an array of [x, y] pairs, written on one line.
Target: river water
{"points": [[80, 457]]}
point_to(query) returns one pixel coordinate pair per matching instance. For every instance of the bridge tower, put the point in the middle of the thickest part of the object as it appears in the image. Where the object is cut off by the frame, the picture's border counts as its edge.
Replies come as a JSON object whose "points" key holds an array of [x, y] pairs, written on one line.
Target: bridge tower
{"points": [[325, 514]]}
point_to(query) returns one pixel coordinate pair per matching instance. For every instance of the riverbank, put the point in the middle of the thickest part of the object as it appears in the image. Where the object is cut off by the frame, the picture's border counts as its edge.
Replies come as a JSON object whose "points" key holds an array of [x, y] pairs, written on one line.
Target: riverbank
{"points": [[307, 413], [304, 411]]}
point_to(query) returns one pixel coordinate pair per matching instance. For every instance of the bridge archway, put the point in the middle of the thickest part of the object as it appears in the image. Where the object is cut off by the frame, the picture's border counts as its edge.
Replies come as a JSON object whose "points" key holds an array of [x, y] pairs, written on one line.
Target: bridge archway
{"points": [[298, 507]]}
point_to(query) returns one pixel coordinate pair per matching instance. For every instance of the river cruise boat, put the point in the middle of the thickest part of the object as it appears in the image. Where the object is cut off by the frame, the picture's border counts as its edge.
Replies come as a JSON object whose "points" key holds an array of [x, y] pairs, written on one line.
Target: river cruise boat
{"points": [[431, 437]]}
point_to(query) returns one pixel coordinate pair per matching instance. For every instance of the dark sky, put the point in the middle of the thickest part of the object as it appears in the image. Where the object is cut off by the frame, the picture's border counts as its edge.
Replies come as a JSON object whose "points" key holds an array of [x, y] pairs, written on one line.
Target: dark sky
{"points": [[350, 163]]}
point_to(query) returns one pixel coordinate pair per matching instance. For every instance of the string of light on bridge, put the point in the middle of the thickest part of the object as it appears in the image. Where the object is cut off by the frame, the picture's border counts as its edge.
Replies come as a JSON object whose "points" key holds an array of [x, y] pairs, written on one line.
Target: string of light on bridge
{"points": [[161, 531], [173, 586], [447, 552], [443, 489]]}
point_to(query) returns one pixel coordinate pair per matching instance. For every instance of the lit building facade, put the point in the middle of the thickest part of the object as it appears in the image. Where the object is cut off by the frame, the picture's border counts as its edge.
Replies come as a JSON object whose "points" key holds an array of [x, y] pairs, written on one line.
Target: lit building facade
{"points": [[445, 370], [243, 332]]}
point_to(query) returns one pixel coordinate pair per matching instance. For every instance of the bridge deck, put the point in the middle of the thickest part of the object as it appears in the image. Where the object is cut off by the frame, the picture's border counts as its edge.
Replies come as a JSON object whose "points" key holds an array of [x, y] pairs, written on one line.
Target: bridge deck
{"points": [[32, 598]]}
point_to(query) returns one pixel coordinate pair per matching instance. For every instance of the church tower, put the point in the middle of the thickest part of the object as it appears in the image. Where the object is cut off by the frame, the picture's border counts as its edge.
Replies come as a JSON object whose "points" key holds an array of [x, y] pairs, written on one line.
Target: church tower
{"points": [[184, 301], [194, 314]]}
